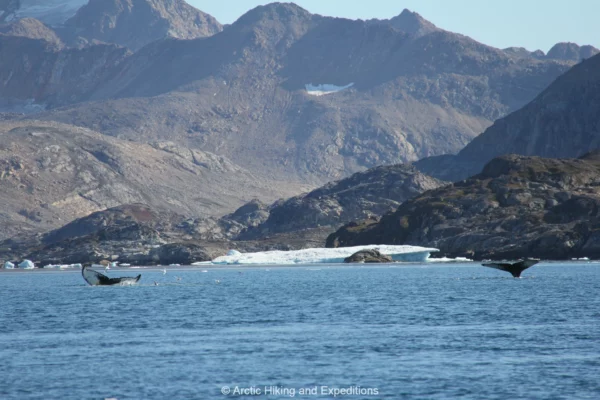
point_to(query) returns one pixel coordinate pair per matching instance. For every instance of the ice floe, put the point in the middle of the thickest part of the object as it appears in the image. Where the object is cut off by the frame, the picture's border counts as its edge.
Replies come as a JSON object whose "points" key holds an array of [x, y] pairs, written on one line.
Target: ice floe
{"points": [[446, 259], [63, 266], [27, 264], [320, 256], [321, 90]]}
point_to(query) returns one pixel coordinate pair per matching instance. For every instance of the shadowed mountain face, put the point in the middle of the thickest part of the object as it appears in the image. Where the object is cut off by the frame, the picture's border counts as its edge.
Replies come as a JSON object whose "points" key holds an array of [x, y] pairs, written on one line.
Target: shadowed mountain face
{"points": [[252, 92], [561, 122], [34, 68], [517, 207], [51, 173], [364, 194], [135, 23]]}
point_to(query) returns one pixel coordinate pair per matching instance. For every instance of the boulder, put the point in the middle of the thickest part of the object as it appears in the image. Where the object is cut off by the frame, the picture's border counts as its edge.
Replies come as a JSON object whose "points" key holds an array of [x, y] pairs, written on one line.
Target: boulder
{"points": [[368, 256], [179, 253]]}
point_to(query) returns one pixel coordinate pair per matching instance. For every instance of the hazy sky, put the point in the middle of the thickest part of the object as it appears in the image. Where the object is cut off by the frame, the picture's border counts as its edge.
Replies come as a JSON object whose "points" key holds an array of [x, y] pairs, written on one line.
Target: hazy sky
{"points": [[533, 24]]}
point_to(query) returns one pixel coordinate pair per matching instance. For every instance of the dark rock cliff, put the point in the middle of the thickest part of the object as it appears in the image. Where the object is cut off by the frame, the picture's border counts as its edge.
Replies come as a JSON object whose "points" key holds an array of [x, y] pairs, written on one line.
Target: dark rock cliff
{"points": [[516, 207]]}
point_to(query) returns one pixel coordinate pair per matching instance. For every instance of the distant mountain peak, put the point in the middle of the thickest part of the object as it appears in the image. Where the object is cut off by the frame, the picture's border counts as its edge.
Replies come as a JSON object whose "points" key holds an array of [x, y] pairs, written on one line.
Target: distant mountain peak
{"points": [[134, 24], [412, 23], [568, 51], [275, 11]]}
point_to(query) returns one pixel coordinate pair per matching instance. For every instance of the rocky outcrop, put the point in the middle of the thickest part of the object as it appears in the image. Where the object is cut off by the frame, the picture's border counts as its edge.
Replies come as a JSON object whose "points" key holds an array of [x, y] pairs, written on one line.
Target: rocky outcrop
{"points": [[368, 256], [33, 29], [517, 207], [136, 23], [370, 193], [133, 233], [561, 122]]}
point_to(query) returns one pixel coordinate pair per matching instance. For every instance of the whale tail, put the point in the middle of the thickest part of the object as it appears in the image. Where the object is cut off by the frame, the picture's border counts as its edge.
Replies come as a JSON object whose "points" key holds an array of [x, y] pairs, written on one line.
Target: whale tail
{"points": [[95, 278], [515, 268]]}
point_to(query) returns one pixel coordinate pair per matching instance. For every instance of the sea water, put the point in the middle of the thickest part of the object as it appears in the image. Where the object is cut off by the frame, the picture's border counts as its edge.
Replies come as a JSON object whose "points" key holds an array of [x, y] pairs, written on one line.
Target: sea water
{"points": [[358, 332]]}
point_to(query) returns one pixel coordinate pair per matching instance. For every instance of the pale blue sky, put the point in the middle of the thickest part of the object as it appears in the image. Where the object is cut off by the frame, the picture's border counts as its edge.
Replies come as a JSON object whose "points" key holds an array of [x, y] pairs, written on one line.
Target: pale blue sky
{"points": [[533, 24]]}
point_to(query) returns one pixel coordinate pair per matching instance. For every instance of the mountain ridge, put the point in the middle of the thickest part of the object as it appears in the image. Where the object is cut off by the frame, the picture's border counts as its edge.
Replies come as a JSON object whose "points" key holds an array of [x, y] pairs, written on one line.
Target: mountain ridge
{"points": [[568, 105]]}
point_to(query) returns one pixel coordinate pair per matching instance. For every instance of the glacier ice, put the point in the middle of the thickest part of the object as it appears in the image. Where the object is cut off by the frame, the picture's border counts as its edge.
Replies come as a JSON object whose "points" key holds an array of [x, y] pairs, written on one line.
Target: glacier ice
{"points": [[27, 264], [320, 255]]}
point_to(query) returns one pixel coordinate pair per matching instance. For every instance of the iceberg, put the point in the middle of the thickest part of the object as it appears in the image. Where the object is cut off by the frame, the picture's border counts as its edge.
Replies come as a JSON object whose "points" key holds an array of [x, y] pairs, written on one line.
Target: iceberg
{"points": [[321, 90], [324, 256], [9, 265], [27, 264], [62, 266]]}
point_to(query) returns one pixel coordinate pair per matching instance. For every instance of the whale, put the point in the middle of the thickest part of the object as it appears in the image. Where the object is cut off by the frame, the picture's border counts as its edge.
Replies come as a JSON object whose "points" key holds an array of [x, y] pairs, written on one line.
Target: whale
{"points": [[95, 278], [514, 267]]}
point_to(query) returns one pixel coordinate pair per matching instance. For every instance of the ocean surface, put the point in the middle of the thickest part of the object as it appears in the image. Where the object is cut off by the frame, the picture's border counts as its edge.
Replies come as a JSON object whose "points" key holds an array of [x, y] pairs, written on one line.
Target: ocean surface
{"points": [[347, 332]]}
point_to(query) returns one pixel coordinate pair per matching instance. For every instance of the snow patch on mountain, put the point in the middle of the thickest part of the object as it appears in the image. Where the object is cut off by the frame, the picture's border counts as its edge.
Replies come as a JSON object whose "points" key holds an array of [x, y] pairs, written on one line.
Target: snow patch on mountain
{"points": [[51, 12], [323, 89]]}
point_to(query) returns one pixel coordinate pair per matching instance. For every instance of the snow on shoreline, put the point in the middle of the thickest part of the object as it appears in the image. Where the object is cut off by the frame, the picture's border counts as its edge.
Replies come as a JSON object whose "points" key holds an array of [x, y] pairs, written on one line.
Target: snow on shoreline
{"points": [[323, 256], [321, 90]]}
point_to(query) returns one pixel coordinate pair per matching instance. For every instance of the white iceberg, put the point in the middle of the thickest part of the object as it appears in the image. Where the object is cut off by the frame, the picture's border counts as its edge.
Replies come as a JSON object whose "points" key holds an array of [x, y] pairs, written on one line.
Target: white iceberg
{"points": [[325, 256], [321, 90], [27, 264], [62, 266], [9, 265]]}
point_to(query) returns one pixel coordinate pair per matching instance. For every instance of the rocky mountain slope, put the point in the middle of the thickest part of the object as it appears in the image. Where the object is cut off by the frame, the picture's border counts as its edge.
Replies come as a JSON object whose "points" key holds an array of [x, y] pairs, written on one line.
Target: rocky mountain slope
{"points": [[52, 173], [371, 193], [34, 67], [33, 29], [135, 23], [517, 207], [561, 122], [407, 94], [139, 233]]}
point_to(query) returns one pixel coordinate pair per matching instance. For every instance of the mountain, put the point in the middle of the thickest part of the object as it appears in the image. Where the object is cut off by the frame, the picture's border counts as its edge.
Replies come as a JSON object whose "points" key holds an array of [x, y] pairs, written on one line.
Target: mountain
{"points": [[33, 29], [33, 68], [516, 207], [409, 22], [561, 122], [571, 52], [136, 23], [52, 173], [51, 12], [371, 193], [292, 95]]}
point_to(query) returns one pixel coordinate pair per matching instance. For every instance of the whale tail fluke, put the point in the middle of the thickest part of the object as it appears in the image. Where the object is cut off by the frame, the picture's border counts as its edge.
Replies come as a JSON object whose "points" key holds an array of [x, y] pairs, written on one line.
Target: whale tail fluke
{"points": [[95, 278], [515, 268]]}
